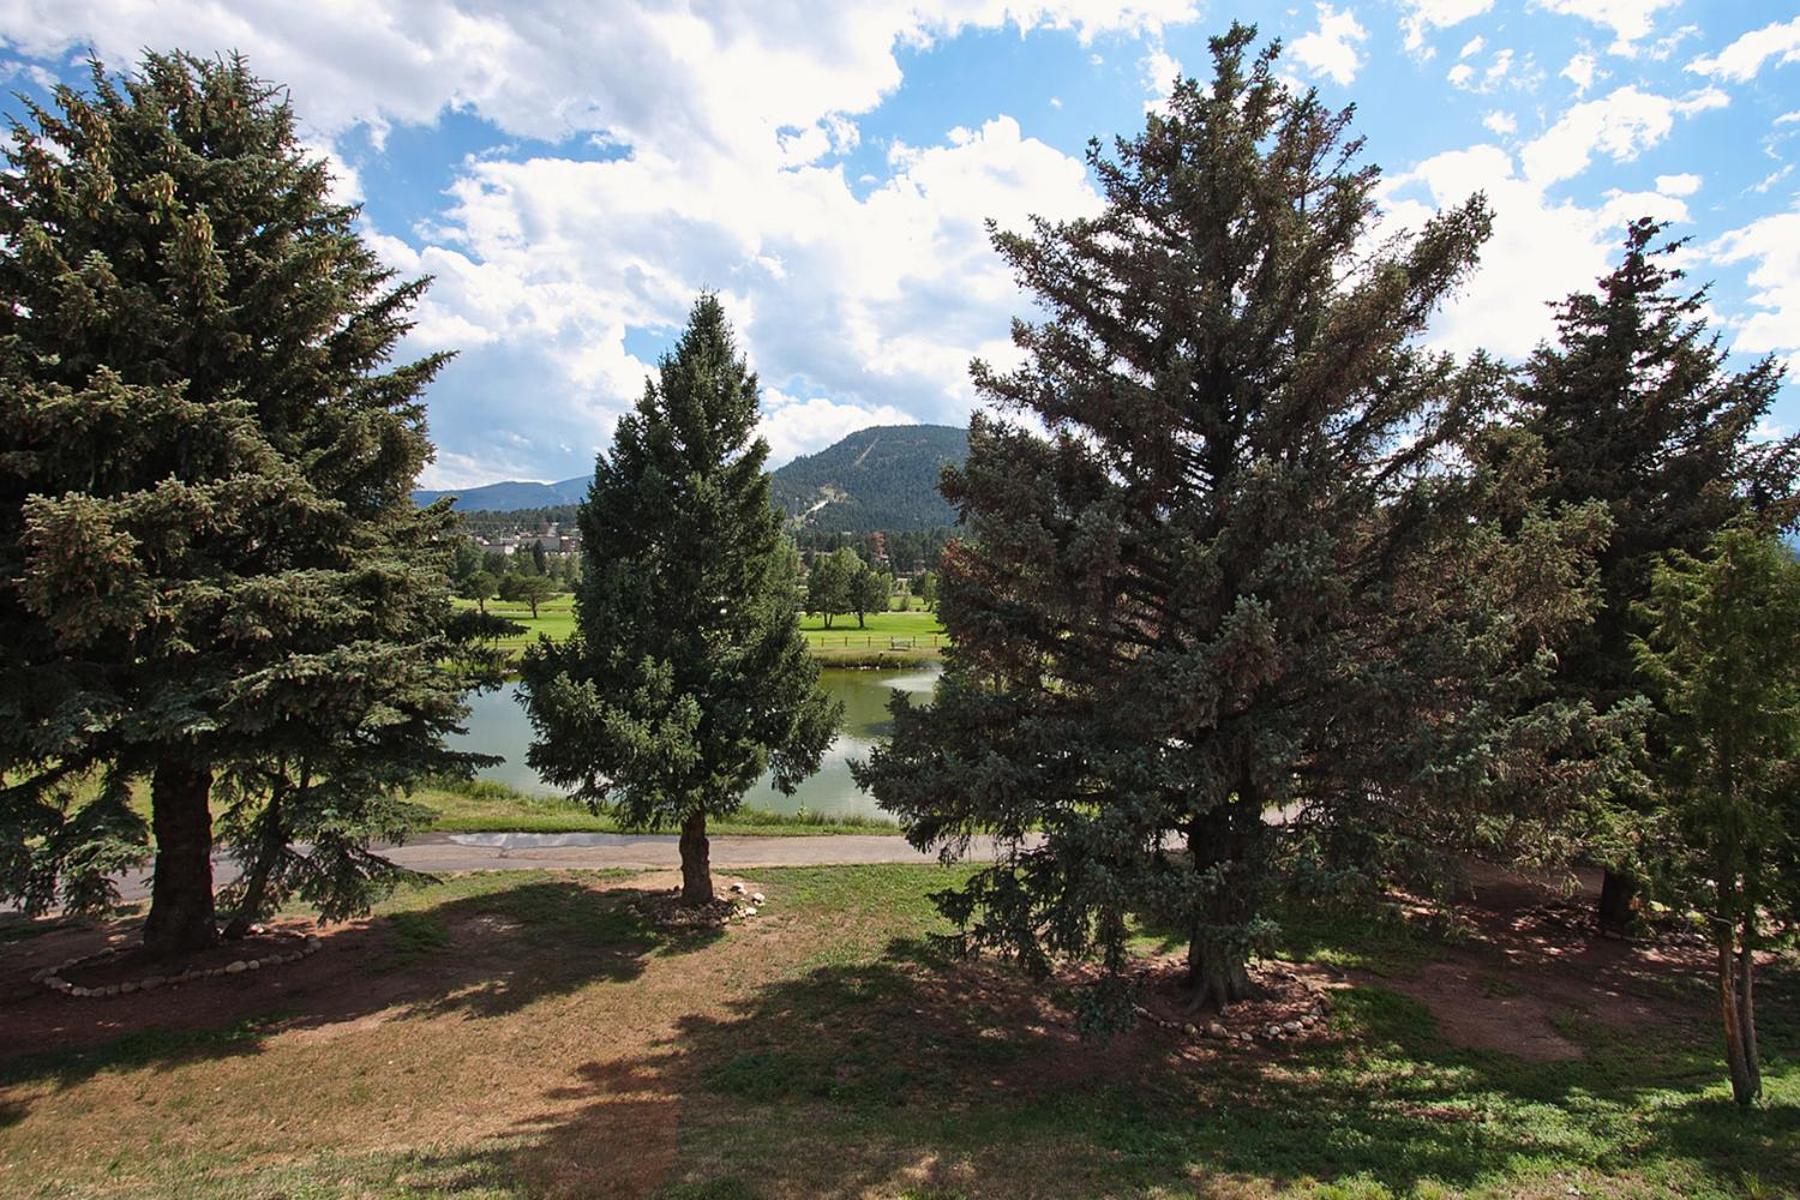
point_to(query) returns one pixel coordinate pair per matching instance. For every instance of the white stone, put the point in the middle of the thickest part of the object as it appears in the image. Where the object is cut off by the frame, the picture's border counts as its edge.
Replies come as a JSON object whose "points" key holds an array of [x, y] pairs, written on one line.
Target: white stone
{"points": [[1216, 1029], [738, 888], [756, 897], [750, 912], [237, 967]]}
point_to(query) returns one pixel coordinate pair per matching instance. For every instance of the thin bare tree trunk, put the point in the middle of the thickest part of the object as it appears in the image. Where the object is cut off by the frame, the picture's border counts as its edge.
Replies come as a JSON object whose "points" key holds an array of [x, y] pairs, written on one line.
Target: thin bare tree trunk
{"points": [[1746, 1073]]}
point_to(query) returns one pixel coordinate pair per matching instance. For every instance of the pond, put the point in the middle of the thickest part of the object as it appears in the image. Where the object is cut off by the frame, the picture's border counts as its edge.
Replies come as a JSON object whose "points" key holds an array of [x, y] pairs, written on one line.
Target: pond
{"points": [[497, 725]]}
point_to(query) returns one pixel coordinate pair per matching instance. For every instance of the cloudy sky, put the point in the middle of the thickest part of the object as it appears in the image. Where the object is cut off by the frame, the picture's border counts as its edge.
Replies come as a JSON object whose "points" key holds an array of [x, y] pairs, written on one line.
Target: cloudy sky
{"points": [[572, 172]]}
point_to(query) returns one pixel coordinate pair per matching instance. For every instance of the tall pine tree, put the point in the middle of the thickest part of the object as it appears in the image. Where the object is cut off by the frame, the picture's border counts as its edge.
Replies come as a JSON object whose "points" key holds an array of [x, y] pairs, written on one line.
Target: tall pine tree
{"points": [[1248, 572], [212, 576], [687, 675], [1635, 409]]}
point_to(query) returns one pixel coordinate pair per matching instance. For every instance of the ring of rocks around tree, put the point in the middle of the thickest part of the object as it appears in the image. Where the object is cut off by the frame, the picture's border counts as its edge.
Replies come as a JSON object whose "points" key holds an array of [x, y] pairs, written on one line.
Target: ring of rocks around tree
{"points": [[290, 946], [665, 910]]}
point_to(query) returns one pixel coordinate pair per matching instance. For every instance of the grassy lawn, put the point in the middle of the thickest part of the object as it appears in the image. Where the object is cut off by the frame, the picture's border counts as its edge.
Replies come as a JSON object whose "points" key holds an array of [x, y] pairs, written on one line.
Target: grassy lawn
{"points": [[484, 805], [844, 642], [529, 1034], [879, 630]]}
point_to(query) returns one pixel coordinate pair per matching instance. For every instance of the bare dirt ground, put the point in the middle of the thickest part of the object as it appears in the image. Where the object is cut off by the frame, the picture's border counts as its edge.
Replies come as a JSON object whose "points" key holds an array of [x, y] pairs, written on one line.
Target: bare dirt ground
{"points": [[1535, 955], [541, 1033]]}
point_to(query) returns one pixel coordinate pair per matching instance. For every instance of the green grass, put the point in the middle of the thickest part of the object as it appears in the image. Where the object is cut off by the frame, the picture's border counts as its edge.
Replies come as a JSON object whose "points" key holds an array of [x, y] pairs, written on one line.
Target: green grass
{"points": [[920, 633], [879, 629], [488, 806], [484, 805], [530, 1034]]}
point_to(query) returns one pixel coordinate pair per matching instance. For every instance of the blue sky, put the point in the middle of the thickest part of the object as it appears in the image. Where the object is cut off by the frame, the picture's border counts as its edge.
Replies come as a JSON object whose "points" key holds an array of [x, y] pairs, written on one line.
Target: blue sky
{"points": [[573, 172]]}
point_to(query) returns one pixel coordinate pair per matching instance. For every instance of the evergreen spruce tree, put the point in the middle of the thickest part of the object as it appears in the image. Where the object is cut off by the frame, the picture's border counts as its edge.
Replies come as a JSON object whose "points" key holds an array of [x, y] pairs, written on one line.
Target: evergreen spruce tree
{"points": [[1721, 654], [212, 576], [1635, 408], [687, 675], [1248, 571]]}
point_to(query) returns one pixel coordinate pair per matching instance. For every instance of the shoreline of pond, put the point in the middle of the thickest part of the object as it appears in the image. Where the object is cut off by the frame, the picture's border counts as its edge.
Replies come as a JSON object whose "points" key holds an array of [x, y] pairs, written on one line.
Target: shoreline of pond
{"points": [[498, 726]]}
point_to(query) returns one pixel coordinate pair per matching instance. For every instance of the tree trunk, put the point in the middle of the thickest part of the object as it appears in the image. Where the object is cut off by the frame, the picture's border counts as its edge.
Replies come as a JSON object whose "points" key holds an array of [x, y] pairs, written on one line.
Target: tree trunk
{"points": [[270, 844], [1218, 967], [181, 896], [696, 863], [1738, 1007], [1218, 975], [1617, 891]]}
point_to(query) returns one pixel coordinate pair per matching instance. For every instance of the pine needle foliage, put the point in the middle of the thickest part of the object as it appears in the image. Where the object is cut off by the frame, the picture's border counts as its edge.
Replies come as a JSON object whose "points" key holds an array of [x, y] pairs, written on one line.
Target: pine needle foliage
{"points": [[1234, 612], [686, 676], [212, 576]]}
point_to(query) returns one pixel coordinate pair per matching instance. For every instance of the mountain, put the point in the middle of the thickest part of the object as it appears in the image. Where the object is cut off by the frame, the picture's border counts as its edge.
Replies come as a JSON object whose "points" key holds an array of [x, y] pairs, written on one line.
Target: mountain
{"points": [[884, 477], [511, 495]]}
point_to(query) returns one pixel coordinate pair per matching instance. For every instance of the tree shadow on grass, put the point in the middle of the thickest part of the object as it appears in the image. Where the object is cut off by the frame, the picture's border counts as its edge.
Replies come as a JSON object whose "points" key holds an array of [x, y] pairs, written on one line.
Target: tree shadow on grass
{"points": [[967, 1080], [484, 955]]}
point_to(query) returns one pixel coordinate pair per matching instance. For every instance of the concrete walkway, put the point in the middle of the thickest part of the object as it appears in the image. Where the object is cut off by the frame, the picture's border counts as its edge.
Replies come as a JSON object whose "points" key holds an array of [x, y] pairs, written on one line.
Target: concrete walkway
{"points": [[441, 853]]}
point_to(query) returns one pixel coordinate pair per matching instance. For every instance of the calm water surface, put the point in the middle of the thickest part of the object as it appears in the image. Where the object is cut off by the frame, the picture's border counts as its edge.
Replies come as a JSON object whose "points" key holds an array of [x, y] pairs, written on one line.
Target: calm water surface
{"points": [[497, 725]]}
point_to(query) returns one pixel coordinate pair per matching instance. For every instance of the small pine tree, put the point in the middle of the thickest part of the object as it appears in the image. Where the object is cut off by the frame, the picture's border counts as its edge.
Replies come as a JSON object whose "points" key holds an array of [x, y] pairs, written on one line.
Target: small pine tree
{"points": [[215, 577], [1245, 571], [687, 676], [1722, 657], [1635, 409]]}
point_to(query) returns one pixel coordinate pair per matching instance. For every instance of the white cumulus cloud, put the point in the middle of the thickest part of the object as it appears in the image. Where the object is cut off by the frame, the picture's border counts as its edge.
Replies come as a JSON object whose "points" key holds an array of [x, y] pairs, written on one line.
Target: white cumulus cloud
{"points": [[1771, 246], [1620, 125], [1630, 20], [1745, 57], [1330, 50], [1423, 16]]}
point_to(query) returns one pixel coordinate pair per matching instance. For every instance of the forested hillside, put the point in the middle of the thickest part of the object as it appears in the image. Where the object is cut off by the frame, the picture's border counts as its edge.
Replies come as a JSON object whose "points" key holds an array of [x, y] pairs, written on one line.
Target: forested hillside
{"points": [[510, 496], [884, 477]]}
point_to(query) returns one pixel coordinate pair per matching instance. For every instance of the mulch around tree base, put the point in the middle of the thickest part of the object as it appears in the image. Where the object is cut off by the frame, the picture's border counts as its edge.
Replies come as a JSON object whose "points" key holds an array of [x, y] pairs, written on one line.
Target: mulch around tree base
{"points": [[1290, 1002], [666, 910]]}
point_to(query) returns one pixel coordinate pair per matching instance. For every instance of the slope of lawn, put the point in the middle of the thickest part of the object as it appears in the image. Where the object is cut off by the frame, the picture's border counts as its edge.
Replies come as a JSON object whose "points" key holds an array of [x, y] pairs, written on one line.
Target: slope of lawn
{"points": [[532, 1034], [915, 635], [483, 805]]}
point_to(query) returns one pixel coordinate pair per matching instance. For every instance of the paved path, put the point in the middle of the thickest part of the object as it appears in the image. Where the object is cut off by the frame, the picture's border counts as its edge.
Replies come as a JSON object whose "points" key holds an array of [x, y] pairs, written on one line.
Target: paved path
{"points": [[439, 853]]}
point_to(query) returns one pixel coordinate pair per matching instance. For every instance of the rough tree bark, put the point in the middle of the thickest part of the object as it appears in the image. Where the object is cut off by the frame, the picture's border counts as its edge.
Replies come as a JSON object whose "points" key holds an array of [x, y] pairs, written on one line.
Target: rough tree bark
{"points": [[1218, 968], [1617, 893], [1738, 1008], [181, 891], [696, 862]]}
